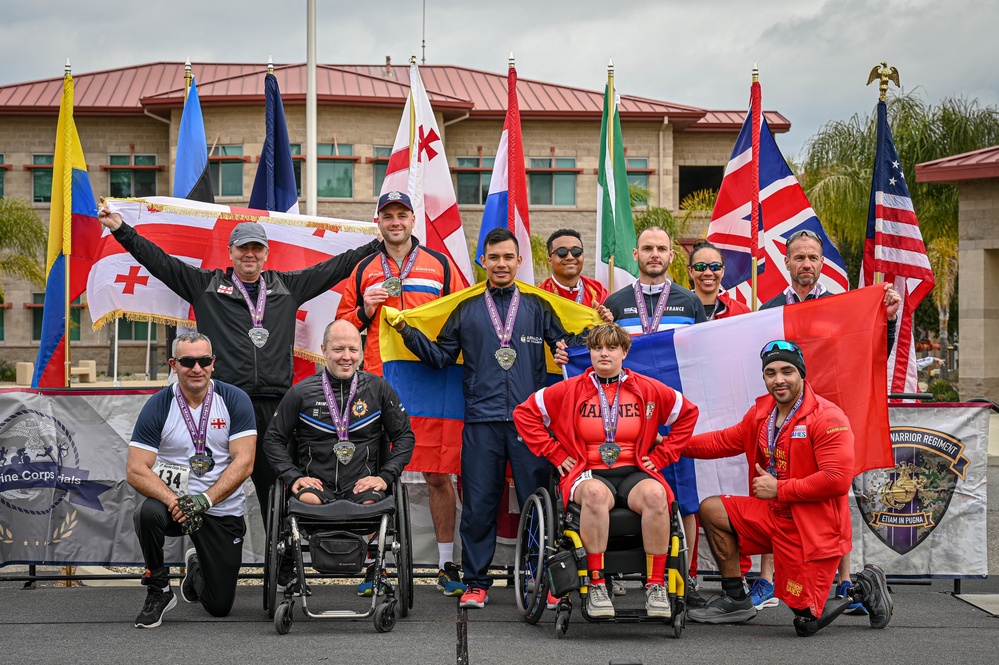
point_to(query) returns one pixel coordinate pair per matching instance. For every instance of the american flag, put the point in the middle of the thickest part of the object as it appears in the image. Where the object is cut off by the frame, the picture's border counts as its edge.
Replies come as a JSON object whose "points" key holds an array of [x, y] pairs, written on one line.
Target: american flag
{"points": [[894, 247], [784, 209]]}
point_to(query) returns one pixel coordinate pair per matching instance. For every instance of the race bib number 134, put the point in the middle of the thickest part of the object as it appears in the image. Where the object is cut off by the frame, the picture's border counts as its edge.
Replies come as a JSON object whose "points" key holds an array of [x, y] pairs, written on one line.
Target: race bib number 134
{"points": [[175, 476]]}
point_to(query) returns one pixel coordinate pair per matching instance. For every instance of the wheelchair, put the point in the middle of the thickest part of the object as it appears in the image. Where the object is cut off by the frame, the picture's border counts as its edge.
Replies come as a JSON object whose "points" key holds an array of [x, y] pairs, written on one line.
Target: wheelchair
{"points": [[550, 557], [335, 536]]}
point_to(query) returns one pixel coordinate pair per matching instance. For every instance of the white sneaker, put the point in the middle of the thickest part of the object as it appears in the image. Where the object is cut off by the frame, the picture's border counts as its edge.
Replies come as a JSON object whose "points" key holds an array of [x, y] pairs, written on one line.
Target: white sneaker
{"points": [[599, 604], [657, 601]]}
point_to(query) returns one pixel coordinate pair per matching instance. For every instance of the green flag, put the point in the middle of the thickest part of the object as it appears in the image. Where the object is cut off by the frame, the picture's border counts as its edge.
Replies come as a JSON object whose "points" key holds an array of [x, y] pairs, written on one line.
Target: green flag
{"points": [[615, 226]]}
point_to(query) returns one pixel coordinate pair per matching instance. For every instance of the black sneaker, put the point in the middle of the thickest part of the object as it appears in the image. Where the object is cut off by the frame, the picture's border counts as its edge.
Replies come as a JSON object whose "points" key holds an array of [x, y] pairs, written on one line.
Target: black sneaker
{"points": [[158, 603], [695, 600], [724, 609], [805, 627], [187, 590], [874, 595]]}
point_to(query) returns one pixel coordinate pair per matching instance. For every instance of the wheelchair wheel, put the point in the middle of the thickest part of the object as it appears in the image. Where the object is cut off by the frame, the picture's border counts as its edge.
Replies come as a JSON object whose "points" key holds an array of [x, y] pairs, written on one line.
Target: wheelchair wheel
{"points": [[385, 617], [535, 537], [282, 618], [404, 559], [272, 559], [561, 623]]}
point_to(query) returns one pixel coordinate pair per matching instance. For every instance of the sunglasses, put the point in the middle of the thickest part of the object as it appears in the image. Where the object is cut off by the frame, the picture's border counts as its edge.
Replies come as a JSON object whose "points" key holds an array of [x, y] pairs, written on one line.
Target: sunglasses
{"points": [[189, 362], [804, 233], [781, 345], [714, 266], [563, 252]]}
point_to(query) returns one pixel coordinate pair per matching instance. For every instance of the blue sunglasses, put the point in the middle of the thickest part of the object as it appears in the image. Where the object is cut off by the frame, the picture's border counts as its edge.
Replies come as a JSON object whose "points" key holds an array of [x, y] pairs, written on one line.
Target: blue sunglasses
{"points": [[781, 345]]}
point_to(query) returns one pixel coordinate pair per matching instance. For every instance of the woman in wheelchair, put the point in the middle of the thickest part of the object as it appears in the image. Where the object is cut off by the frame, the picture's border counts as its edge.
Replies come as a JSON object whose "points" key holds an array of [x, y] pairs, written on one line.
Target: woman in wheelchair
{"points": [[601, 431]]}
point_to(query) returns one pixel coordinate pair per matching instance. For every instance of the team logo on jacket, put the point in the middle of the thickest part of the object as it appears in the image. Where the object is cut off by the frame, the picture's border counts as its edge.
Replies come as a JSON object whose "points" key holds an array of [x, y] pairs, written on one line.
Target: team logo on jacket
{"points": [[359, 409], [649, 410], [902, 505], [227, 290], [799, 432]]}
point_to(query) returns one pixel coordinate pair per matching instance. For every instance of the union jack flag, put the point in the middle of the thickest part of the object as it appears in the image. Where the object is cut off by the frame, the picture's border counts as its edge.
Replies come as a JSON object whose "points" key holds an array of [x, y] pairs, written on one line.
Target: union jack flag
{"points": [[784, 209], [894, 247]]}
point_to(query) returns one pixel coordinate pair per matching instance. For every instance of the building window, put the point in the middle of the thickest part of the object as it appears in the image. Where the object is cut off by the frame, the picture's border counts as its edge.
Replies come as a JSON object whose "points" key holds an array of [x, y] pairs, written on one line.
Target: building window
{"points": [[38, 299], [474, 174], [335, 175], [132, 183], [695, 178], [2, 313], [296, 164], [135, 331], [41, 179], [638, 171], [226, 167], [379, 163], [552, 181]]}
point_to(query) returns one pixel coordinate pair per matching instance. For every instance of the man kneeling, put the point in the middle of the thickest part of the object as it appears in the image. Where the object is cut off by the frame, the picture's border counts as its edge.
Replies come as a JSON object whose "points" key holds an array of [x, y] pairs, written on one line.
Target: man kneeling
{"points": [[336, 419], [800, 451], [192, 477]]}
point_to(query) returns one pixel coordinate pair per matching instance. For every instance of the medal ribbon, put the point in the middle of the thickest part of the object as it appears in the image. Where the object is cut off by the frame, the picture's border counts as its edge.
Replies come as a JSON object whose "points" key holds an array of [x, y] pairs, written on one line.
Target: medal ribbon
{"points": [[790, 297], [773, 435], [406, 268], [643, 311], [340, 422], [504, 331], [256, 313], [609, 413], [199, 433]]}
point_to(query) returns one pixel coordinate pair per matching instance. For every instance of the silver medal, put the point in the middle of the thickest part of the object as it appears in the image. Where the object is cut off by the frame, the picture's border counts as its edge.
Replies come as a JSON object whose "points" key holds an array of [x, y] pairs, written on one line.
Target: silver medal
{"points": [[258, 336], [393, 285], [505, 356], [609, 452], [344, 451]]}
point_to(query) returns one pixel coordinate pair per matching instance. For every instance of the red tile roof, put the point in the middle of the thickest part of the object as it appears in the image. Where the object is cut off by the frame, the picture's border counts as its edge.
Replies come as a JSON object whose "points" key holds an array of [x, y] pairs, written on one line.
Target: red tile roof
{"points": [[454, 90], [973, 165]]}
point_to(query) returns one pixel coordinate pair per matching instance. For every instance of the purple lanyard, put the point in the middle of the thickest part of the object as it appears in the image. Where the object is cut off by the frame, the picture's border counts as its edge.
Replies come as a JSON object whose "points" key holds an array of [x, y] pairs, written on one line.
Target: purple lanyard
{"points": [[773, 433], [504, 331], [643, 312], [579, 296], [609, 413], [199, 433], [790, 297], [406, 268], [256, 313], [340, 422]]}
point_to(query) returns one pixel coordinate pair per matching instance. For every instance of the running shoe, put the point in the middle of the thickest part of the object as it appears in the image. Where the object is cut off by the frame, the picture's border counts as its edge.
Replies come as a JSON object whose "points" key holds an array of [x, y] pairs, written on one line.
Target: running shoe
{"points": [[598, 604], [158, 603], [724, 609], [449, 580], [657, 601], [552, 601], [843, 591], [762, 594], [474, 598], [366, 588], [187, 590], [875, 596]]}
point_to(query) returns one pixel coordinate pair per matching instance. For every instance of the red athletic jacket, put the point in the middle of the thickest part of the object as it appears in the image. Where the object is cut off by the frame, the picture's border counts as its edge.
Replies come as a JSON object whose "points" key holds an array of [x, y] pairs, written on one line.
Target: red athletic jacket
{"points": [[594, 293], [820, 463], [731, 307], [554, 409]]}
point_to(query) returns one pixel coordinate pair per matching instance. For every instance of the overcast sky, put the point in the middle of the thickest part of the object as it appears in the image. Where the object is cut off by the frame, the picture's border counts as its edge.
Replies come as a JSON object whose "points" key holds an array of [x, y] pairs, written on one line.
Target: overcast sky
{"points": [[814, 56]]}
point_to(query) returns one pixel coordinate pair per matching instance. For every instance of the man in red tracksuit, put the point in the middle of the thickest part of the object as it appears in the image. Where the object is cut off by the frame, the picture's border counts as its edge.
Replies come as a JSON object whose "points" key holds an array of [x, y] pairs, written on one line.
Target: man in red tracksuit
{"points": [[800, 452]]}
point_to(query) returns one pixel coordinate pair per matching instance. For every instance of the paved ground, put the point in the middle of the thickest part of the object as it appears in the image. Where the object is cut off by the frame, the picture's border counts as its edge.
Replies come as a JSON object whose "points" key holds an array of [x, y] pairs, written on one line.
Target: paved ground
{"points": [[90, 625]]}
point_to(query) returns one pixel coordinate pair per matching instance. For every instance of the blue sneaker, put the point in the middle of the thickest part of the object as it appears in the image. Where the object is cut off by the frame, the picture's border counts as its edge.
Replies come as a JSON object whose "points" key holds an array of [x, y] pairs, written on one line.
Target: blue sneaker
{"points": [[367, 587], [843, 591], [762, 594], [449, 580]]}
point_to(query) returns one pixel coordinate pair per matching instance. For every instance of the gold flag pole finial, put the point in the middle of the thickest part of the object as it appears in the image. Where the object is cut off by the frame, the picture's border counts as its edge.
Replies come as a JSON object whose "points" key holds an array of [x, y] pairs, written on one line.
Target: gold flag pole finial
{"points": [[885, 74], [511, 61], [756, 73], [270, 64], [187, 78], [412, 59]]}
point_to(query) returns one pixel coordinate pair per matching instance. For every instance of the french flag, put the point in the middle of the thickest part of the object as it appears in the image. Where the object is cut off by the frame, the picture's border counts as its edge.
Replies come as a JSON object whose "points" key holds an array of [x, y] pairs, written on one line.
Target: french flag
{"points": [[506, 205], [844, 345]]}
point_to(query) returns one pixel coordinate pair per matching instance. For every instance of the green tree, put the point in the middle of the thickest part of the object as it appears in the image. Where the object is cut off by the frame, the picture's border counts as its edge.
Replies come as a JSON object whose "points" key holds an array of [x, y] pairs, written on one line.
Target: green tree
{"points": [[22, 240]]}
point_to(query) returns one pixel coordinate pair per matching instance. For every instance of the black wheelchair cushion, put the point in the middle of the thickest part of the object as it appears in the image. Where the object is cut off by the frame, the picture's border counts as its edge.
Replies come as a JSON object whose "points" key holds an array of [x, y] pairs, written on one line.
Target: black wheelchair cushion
{"points": [[623, 522], [341, 510]]}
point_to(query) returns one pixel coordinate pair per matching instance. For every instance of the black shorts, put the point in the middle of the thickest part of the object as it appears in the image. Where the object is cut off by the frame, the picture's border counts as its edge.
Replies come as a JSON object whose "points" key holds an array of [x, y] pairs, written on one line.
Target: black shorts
{"points": [[328, 495], [620, 481]]}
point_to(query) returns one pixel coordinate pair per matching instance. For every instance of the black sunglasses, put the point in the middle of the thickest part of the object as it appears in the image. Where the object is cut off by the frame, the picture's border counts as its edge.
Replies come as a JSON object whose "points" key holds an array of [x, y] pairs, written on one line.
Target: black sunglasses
{"points": [[563, 252], [189, 362], [714, 266], [782, 345]]}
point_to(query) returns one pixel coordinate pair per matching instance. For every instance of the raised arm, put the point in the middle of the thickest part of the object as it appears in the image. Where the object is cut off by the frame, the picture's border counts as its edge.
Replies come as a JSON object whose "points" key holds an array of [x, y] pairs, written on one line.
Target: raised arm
{"points": [[308, 283]]}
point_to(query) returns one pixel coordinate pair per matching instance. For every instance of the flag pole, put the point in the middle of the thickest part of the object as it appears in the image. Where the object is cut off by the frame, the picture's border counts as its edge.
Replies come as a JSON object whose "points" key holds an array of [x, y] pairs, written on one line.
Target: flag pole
{"points": [[187, 79], [311, 130], [884, 74], [754, 235], [67, 220], [610, 152], [412, 118]]}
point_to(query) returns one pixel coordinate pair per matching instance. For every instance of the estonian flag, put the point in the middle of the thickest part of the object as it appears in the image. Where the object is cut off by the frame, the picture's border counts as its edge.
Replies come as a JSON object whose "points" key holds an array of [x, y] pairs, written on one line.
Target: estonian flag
{"points": [[191, 179]]}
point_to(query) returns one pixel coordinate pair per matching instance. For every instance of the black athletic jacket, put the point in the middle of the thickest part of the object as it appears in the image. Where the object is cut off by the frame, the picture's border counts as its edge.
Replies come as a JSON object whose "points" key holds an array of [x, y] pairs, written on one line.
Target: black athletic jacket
{"points": [[223, 315], [304, 419]]}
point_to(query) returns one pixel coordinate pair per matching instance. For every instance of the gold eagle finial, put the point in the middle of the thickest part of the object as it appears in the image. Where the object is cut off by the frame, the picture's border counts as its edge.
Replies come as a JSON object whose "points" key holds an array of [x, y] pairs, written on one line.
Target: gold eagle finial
{"points": [[885, 73]]}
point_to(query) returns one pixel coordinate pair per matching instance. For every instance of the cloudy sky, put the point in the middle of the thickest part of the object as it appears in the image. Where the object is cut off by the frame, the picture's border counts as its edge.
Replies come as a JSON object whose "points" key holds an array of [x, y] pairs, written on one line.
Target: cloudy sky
{"points": [[814, 55]]}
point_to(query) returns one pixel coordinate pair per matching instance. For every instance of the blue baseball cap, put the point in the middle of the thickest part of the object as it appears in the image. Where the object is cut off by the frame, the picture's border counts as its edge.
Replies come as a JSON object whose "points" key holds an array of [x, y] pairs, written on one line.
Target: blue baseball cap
{"points": [[395, 197]]}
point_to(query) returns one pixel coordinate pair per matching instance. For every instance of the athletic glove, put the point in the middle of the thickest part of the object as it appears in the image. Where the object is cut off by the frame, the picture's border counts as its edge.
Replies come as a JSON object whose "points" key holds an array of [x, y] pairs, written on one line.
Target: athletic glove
{"points": [[192, 505]]}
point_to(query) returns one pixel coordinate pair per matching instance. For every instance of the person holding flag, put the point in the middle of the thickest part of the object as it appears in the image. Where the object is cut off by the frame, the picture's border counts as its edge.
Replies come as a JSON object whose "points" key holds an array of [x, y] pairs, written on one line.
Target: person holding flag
{"points": [[565, 256], [404, 274]]}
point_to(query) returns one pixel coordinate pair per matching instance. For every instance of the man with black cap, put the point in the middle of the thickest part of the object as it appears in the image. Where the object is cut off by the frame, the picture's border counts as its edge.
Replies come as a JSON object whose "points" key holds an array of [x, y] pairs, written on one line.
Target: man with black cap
{"points": [[404, 274], [248, 312], [800, 451]]}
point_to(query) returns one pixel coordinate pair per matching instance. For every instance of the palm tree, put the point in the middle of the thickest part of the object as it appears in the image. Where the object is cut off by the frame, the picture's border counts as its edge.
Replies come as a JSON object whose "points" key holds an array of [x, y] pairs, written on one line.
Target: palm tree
{"points": [[942, 254], [22, 239]]}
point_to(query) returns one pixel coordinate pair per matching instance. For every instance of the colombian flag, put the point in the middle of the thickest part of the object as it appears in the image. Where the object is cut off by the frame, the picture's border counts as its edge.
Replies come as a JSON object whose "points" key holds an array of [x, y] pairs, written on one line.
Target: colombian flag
{"points": [[433, 398], [73, 236]]}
